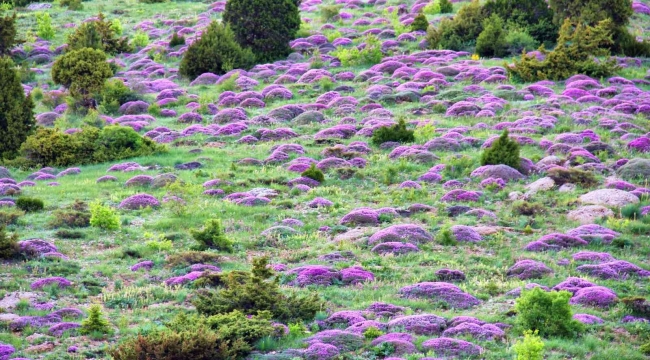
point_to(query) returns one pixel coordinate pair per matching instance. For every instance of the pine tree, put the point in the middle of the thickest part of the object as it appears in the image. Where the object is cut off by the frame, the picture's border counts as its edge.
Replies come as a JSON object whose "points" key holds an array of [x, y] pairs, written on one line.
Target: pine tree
{"points": [[7, 33], [16, 110], [83, 72], [95, 323], [503, 151], [491, 42], [420, 23], [8, 244]]}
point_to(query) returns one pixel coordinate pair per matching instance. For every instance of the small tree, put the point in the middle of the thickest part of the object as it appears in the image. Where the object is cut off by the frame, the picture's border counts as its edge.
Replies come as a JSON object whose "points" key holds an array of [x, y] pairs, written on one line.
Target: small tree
{"points": [[216, 52], [16, 110], [83, 72], [95, 323], [44, 24], [103, 217], [503, 151], [7, 33], [446, 7], [547, 312], [398, 133], [530, 348], [314, 173], [98, 34], [420, 23], [212, 236], [176, 40], [8, 244], [266, 26], [491, 42]]}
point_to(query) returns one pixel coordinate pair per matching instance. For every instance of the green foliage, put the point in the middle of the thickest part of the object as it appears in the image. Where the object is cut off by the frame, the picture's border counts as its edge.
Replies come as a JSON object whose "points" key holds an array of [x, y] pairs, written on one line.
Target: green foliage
{"points": [[264, 26], [432, 8], [176, 40], [518, 41], [531, 347], [140, 39], [216, 52], [73, 5], [645, 348], [83, 72], [460, 32], [117, 27], [100, 35], [236, 325], [212, 236], [197, 343], [16, 110], [29, 204], [532, 16], [256, 291], [491, 42], [314, 173], [591, 12], [638, 305], [188, 258], [420, 23], [44, 26], [152, 1], [115, 93], [372, 333], [547, 312], [329, 12], [95, 322], [103, 217], [503, 151], [563, 176], [398, 133], [446, 7], [574, 54], [52, 147], [446, 237], [8, 244], [422, 134], [370, 55], [8, 33]]}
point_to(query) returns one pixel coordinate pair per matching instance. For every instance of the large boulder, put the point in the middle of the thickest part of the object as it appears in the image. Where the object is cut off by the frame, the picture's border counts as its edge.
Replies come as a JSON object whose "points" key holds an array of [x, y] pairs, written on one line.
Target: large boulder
{"points": [[609, 197], [635, 169], [589, 214], [504, 172]]}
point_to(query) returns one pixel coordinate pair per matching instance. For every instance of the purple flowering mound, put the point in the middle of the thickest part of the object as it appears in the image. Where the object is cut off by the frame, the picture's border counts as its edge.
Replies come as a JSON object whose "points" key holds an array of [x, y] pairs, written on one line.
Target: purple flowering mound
{"points": [[450, 275], [184, 279], [592, 256], [597, 296], [320, 351], [573, 284], [407, 233], [361, 216], [58, 329], [504, 172], [147, 265], [395, 248], [423, 324], [385, 310], [355, 275], [461, 195], [342, 340], [55, 280], [528, 269], [452, 347], [617, 269], [554, 241], [477, 331], [593, 232], [440, 291], [464, 233], [314, 275], [35, 247], [6, 351], [139, 201], [588, 319], [345, 318]]}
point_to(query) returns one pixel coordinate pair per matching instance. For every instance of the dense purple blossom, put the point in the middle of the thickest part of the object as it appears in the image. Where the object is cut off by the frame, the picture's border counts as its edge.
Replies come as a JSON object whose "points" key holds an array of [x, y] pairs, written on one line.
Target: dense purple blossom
{"points": [[423, 324], [528, 269], [342, 340], [361, 216], [147, 265], [465, 233], [477, 331], [554, 241], [440, 291], [139, 201], [59, 281], [180, 280], [58, 329], [452, 347], [617, 269], [598, 296], [410, 233]]}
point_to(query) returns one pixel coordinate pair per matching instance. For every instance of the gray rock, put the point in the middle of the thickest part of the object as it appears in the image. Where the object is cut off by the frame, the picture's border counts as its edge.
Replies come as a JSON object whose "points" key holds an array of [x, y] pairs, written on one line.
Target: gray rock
{"points": [[609, 197], [588, 214]]}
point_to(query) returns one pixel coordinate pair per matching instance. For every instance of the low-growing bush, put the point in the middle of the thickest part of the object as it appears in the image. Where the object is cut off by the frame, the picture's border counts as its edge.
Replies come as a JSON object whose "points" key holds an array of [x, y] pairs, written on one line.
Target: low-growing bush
{"points": [[518, 41], [370, 55], [446, 237], [420, 23], [259, 291], [95, 323], [70, 218], [503, 151], [8, 244], [113, 94], [212, 236], [531, 347], [103, 217], [314, 173], [563, 176], [446, 7], [10, 217], [459, 33], [176, 40], [398, 133], [547, 312], [491, 42], [329, 12], [638, 305], [29, 204], [44, 26], [69, 234], [192, 257], [527, 208], [140, 39]]}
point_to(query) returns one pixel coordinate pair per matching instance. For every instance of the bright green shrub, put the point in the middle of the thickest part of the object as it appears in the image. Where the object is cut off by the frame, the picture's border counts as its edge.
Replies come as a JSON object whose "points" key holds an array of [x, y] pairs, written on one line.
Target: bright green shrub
{"points": [[216, 52], [75, 5], [645, 348], [113, 94], [370, 55], [446, 237], [8, 244], [532, 16], [398, 133], [212, 236], [264, 26], [563, 176], [121, 142], [83, 72], [432, 8], [329, 12], [140, 39], [503, 151], [574, 54], [8, 33], [460, 32], [176, 40], [44, 26], [547, 312], [372, 333], [314, 173], [491, 42], [117, 27], [16, 110], [256, 291], [236, 325], [95, 323], [103, 217], [446, 7], [420, 23], [531, 347], [100, 35], [28, 204]]}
